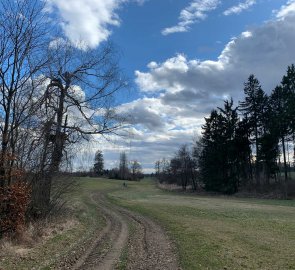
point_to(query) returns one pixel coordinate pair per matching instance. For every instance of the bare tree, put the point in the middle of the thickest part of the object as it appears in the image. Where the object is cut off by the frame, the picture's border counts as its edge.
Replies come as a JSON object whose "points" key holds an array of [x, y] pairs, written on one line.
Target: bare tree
{"points": [[52, 95], [136, 170], [22, 40], [78, 103], [157, 168], [185, 165]]}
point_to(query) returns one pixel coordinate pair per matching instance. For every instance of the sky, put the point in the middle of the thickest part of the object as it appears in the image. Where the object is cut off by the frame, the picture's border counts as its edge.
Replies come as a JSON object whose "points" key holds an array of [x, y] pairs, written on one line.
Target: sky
{"points": [[182, 58]]}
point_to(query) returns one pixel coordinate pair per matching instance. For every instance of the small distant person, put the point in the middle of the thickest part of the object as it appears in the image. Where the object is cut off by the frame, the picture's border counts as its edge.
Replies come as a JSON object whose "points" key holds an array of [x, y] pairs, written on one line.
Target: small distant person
{"points": [[124, 184]]}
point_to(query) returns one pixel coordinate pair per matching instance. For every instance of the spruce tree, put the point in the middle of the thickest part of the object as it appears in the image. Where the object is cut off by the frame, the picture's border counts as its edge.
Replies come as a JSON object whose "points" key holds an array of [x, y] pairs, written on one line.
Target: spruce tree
{"points": [[288, 84], [98, 163], [253, 108], [219, 160]]}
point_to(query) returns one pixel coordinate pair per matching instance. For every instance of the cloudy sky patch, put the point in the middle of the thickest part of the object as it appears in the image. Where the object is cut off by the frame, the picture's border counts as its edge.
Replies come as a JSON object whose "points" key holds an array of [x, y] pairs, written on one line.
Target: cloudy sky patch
{"points": [[176, 84]]}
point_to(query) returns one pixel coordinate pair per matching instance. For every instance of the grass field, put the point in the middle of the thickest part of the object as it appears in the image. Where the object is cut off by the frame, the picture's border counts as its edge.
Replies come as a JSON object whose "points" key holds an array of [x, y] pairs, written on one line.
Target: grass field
{"points": [[215, 232], [209, 232]]}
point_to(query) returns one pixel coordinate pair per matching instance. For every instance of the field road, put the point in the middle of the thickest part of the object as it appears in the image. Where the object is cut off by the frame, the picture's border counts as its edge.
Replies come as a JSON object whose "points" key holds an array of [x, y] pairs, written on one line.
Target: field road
{"points": [[127, 236]]}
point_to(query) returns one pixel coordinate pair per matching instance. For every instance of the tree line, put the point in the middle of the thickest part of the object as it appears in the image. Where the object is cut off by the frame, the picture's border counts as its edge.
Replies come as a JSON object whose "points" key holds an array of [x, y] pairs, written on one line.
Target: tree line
{"points": [[127, 170], [53, 94], [244, 147]]}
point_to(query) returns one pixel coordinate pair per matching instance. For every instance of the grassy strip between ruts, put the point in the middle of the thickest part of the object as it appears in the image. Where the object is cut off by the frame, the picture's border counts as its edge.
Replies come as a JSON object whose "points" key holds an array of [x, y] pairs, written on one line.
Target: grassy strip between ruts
{"points": [[216, 232]]}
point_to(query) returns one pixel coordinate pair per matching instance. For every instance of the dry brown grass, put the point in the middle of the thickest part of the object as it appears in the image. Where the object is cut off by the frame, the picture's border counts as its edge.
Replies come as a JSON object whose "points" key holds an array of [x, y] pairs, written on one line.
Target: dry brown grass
{"points": [[21, 245]]}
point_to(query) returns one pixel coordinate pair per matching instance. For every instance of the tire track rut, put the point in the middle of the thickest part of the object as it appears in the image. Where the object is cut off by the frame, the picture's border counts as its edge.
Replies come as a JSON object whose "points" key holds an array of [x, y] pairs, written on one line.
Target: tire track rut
{"points": [[148, 247]]}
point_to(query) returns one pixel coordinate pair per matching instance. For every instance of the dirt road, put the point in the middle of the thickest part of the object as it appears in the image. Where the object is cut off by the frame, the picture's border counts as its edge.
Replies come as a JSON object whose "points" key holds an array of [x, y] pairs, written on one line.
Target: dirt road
{"points": [[128, 241]]}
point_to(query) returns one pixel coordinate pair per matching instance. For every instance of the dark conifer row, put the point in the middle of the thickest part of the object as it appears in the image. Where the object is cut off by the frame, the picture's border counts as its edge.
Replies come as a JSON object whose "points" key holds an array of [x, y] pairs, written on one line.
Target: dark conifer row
{"points": [[245, 147]]}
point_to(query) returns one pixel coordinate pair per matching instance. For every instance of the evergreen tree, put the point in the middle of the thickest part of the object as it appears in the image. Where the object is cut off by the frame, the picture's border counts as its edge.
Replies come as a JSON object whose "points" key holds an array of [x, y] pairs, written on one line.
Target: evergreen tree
{"points": [[243, 153], [98, 163], [269, 154], [196, 157], [211, 161], [253, 108], [219, 161], [123, 167], [279, 101], [288, 83]]}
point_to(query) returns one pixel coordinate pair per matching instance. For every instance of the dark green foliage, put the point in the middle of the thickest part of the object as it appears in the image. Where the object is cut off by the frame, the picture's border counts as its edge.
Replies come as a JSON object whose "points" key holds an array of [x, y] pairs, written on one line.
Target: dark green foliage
{"points": [[220, 158], [99, 163], [241, 152], [288, 84], [253, 109], [269, 153]]}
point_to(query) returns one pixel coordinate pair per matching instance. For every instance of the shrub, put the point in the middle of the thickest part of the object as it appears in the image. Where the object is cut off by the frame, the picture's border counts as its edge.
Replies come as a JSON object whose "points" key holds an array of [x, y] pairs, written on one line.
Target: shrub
{"points": [[14, 201]]}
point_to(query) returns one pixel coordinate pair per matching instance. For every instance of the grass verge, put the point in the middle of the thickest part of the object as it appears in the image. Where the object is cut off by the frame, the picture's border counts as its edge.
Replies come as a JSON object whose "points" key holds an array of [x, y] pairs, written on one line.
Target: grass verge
{"points": [[59, 238]]}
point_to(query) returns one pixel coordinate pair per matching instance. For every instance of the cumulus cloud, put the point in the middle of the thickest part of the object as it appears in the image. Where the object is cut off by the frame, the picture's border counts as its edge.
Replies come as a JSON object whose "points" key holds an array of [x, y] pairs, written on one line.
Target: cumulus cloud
{"points": [[286, 10], [182, 91], [146, 113], [237, 9], [87, 23], [196, 11], [265, 51]]}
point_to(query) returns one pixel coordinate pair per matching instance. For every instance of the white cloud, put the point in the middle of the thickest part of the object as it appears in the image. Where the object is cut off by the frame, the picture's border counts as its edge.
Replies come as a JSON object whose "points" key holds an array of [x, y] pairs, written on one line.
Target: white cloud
{"points": [[237, 9], [185, 90], [246, 34], [286, 10], [265, 51], [87, 21], [196, 11]]}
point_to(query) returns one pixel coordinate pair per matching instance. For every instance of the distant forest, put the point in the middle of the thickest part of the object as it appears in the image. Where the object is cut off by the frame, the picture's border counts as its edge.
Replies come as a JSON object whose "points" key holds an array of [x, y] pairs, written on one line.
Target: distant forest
{"points": [[242, 148]]}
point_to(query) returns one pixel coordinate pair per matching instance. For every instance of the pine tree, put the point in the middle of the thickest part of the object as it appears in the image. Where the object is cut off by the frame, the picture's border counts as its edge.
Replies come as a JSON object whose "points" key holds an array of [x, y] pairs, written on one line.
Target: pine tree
{"points": [[219, 162], [288, 83], [98, 163], [123, 169], [243, 153], [253, 108], [279, 101], [211, 161]]}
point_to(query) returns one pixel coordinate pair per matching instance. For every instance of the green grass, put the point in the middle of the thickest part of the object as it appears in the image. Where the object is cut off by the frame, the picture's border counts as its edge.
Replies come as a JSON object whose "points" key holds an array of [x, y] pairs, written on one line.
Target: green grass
{"points": [[209, 232], [216, 232]]}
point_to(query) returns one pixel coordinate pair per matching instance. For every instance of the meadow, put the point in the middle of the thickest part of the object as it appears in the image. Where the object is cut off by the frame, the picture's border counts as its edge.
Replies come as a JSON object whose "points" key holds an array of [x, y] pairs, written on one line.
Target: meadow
{"points": [[209, 232], [216, 232]]}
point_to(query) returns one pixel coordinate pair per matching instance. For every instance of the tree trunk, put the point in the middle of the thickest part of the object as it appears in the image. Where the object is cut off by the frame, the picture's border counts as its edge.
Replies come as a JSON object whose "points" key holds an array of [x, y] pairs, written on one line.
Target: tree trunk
{"points": [[285, 169], [257, 176], [44, 185]]}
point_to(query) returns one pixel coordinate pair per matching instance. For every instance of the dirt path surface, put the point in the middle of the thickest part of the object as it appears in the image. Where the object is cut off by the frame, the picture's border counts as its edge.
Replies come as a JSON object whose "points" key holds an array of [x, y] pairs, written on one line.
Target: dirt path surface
{"points": [[138, 241]]}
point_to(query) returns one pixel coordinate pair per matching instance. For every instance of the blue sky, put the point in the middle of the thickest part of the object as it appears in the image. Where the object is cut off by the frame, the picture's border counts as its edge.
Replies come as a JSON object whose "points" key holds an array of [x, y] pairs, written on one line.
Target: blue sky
{"points": [[140, 39], [183, 58]]}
